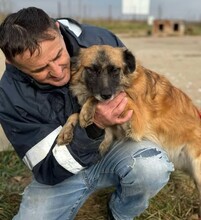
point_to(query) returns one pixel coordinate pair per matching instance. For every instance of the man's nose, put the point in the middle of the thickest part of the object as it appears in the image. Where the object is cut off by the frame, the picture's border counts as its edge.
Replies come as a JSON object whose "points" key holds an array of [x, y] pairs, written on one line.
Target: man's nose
{"points": [[55, 69]]}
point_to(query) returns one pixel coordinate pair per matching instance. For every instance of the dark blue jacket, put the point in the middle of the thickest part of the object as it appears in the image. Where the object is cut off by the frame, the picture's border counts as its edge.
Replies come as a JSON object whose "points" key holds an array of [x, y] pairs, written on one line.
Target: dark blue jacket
{"points": [[32, 115]]}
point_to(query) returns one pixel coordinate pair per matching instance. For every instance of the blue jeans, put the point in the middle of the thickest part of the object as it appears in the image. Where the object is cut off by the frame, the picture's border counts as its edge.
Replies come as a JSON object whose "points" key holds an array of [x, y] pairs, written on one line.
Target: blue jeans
{"points": [[138, 170]]}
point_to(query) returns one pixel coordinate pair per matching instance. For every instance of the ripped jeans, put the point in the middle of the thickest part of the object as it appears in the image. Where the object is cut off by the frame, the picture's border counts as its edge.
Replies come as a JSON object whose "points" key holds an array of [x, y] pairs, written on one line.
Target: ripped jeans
{"points": [[138, 171]]}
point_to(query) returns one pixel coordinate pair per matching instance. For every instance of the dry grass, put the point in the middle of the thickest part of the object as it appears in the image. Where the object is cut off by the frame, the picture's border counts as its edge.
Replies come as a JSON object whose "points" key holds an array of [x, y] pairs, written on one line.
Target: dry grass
{"points": [[177, 201]]}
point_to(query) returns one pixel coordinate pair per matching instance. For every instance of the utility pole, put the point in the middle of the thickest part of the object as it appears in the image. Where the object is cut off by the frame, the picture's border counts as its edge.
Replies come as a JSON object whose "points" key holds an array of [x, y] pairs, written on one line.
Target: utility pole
{"points": [[160, 12], [110, 12], [80, 10], [59, 9], [69, 9], [5, 7], [85, 11]]}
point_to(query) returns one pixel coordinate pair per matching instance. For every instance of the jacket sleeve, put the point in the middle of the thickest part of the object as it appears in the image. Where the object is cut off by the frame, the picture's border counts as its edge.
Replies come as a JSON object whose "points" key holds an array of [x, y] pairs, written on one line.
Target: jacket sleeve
{"points": [[34, 140], [35, 143]]}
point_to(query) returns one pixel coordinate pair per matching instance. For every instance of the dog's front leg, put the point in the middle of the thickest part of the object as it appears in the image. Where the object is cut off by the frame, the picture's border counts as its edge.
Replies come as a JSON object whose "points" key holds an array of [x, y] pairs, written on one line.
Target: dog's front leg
{"points": [[107, 141], [87, 112], [66, 134]]}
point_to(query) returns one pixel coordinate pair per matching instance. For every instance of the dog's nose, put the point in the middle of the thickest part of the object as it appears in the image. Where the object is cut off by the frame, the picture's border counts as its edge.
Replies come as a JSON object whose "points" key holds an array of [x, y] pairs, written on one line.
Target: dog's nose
{"points": [[106, 96]]}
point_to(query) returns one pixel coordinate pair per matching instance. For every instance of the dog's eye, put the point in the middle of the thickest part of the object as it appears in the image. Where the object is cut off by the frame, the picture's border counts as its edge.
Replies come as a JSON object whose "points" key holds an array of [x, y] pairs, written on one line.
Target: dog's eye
{"points": [[114, 71], [89, 70], [92, 71]]}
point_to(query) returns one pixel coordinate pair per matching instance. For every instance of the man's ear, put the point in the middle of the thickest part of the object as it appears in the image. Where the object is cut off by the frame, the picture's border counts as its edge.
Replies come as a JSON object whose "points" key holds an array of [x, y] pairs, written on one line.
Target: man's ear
{"points": [[129, 60], [7, 61], [57, 24]]}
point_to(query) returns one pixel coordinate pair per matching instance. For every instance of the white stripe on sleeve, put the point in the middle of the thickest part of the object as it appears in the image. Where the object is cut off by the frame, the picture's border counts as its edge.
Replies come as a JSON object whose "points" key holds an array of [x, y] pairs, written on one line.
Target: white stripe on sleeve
{"points": [[39, 151], [66, 160], [61, 153]]}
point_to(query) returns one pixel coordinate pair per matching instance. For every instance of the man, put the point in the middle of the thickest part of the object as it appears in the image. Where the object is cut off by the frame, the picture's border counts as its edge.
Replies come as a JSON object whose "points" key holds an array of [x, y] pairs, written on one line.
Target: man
{"points": [[35, 102]]}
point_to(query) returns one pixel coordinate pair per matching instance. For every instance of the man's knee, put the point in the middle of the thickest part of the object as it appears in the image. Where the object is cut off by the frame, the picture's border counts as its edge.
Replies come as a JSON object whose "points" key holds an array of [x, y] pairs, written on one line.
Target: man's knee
{"points": [[146, 168]]}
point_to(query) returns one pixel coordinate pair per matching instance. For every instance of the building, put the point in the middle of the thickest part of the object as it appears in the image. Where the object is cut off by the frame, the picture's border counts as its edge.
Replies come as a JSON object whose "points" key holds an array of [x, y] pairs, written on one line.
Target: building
{"points": [[168, 27]]}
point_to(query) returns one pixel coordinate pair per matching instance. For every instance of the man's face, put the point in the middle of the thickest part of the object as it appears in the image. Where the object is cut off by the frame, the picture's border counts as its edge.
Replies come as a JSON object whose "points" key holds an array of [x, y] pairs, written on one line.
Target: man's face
{"points": [[50, 66]]}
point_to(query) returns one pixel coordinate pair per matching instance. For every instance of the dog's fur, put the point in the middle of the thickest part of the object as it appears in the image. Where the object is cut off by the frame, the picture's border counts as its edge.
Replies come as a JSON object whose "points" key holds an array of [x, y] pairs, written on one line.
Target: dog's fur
{"points": [[161, 112]]}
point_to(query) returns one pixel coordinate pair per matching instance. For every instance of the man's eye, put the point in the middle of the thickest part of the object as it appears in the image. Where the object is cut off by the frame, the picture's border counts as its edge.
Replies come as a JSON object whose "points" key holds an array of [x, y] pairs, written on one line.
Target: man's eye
{"points": [[59, 55]]}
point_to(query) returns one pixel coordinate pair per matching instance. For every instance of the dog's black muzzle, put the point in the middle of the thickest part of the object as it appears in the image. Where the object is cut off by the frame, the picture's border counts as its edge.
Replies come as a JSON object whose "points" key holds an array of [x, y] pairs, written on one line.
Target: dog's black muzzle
{"points": [[106, 97], [106, 94]]}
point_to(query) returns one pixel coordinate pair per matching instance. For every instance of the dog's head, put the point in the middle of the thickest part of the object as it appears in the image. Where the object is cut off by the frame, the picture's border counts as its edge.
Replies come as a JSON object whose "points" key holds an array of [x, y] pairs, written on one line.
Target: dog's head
{"points": [[103, 70]]}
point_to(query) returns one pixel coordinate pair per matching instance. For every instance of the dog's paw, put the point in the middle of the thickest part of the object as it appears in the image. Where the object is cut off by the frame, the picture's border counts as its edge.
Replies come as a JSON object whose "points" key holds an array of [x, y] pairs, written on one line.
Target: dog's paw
{"points": [[85, 119], [128, 133], [66, 135], [127, 129], [103, 148]]}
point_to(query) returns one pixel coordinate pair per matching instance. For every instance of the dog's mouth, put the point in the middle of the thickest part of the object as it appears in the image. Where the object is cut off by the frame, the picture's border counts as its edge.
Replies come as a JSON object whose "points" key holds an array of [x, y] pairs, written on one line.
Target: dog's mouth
{"points": [[104, 98]]}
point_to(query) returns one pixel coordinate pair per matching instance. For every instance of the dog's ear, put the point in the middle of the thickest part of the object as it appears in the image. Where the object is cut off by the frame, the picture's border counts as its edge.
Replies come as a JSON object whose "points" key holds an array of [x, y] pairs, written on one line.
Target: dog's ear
{"points": [[129, 60]]}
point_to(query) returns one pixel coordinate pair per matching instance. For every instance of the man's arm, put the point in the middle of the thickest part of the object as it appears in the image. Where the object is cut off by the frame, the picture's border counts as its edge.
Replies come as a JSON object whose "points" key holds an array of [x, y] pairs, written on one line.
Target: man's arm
{"points": [[49, 162], [34, 138]]}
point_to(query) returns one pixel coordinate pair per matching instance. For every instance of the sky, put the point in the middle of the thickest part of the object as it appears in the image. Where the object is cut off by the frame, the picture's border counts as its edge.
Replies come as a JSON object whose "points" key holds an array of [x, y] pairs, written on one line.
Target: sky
{"points": [[176, 9]]}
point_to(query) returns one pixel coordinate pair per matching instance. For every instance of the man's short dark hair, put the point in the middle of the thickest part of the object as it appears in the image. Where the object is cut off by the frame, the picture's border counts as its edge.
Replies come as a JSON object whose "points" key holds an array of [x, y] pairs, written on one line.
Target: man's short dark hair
{"points": [[24, 30]]}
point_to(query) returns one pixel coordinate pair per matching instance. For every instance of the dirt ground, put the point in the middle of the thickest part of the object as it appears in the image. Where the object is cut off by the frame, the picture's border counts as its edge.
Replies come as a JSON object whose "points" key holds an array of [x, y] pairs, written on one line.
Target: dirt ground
{"points": [[179, 58]]}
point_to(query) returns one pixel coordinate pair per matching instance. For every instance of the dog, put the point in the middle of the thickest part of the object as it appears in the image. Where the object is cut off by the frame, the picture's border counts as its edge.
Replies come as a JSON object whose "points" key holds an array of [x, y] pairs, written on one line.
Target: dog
{"points": [[162, 113]]}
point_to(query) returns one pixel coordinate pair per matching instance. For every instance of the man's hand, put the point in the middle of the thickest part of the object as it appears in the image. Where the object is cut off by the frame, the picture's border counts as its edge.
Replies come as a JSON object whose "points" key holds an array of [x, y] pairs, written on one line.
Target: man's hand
{"points": [[109, 112]]}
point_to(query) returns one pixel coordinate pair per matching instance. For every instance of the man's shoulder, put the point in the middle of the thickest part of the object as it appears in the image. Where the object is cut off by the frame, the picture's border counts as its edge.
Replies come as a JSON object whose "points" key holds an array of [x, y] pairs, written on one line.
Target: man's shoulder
{"points": [[98, 35], [11, 72], [87, 35]]}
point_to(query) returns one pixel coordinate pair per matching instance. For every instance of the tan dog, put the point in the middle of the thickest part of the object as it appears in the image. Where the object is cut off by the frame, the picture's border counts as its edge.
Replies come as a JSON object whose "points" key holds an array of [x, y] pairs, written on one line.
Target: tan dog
{"points": [[161, 112]]}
